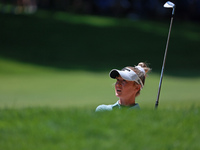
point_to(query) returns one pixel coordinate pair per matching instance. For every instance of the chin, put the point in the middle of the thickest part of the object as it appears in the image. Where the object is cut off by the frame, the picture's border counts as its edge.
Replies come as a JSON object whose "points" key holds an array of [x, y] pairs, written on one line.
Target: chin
{"points": [[118, 95]]}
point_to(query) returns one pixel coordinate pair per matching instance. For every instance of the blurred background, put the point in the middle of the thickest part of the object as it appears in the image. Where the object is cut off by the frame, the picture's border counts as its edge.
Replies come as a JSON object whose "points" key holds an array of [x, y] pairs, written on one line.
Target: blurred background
{"points": [[134, 9], [72, 44], [85, 39], [55, 34]]}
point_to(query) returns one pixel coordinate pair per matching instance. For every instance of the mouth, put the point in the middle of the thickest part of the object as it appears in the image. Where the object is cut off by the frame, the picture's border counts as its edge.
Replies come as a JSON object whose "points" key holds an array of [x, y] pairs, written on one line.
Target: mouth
{"points": [[119, 91]]}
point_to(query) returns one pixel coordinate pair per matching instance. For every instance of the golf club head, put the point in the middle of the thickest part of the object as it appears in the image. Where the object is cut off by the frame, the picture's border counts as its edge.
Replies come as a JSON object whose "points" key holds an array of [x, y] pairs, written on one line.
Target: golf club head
{"points": [[169, 4]]}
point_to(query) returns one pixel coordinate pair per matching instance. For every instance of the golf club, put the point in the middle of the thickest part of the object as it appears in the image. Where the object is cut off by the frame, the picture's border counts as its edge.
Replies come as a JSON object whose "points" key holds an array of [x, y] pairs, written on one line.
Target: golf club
{"points": [[168, 4]]}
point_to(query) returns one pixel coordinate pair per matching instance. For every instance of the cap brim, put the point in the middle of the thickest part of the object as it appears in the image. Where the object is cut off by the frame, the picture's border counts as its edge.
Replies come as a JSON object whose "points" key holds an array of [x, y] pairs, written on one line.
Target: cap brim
{"points": [[114, 73]]}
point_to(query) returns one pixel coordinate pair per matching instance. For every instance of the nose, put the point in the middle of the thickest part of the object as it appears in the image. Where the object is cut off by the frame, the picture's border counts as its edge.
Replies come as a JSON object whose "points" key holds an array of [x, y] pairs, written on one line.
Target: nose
{"points": [[118, 84]]}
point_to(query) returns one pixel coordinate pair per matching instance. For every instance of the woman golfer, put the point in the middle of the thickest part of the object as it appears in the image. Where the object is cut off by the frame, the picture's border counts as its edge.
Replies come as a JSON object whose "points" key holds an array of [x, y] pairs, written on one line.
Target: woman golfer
{"points": [[130, 80]]}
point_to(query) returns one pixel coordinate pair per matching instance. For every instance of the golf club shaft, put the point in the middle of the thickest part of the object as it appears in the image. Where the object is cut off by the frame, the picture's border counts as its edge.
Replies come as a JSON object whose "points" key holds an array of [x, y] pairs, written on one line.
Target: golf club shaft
{"points": [[163, 66]]}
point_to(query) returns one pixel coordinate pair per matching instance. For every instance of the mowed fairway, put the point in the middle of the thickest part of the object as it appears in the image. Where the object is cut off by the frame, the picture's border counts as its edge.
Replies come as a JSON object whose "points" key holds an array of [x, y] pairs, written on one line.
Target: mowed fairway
{"points": [[25, 85]]}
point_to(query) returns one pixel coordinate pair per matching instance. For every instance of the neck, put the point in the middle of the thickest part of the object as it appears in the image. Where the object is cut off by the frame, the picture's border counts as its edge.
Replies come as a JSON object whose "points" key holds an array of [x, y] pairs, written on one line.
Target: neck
{"points": [[127, 102]]}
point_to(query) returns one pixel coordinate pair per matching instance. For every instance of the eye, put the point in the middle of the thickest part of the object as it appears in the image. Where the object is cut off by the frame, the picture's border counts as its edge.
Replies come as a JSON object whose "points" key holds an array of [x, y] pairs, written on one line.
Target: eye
{"points": [[124, 81]]}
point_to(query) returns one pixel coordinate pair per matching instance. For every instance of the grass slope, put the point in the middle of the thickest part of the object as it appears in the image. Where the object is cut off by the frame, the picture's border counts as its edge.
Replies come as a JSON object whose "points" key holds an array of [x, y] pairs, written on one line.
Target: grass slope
{"points": [[50, 129]]}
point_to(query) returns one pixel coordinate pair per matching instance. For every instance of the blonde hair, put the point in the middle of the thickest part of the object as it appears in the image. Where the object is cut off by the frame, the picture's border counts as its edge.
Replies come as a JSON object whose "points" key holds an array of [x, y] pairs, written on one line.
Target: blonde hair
{"points": [[141, 74]]}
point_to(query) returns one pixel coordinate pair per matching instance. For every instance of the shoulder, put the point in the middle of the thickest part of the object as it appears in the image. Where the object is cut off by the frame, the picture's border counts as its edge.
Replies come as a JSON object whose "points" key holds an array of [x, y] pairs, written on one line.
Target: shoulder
{"points": [[104, 108]]}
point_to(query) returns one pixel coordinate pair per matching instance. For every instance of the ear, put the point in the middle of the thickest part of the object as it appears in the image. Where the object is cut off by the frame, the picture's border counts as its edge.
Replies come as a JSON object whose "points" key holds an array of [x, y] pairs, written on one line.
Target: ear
{"points": [[137, 87]]}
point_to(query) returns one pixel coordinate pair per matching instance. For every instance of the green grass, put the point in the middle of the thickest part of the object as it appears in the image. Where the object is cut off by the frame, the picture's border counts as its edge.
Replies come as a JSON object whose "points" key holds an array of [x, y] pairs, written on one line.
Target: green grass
{"points": [[50, 129], [25, 85]]}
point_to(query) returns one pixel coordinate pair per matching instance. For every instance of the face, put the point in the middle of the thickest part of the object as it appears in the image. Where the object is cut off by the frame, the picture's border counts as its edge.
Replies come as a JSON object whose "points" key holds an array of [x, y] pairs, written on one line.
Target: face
{"points": [[125, 89]]}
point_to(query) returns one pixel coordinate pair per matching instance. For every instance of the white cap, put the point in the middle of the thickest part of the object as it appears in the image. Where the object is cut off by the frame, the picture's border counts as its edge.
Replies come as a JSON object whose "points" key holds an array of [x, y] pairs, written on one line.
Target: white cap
{"points": [[126, 74]]}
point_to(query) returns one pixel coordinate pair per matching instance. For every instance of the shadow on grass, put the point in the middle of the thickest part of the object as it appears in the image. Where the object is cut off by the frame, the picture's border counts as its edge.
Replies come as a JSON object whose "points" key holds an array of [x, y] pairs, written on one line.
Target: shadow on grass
{"points": [[46, 41]]}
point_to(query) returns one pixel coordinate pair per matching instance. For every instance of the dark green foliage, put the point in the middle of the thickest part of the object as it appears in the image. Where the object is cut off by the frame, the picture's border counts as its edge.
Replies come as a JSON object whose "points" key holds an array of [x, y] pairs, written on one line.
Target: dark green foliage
{"points": [[94, 43]]}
